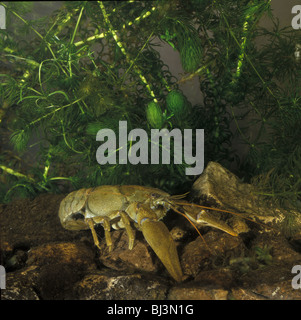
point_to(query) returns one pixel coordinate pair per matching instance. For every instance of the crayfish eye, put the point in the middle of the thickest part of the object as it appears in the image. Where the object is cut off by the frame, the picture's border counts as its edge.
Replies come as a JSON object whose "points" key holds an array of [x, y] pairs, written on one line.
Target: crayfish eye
{"points": [[77, 216]]}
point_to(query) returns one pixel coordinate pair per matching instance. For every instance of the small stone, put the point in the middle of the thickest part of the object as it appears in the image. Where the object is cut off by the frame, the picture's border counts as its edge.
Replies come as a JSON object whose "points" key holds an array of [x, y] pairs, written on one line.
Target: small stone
{"points": [[201, 253], [110, 286], [239, 225], [178, 233], [140, 258], [197, 292], [20, 284], [55, 281], [194, 257], [76, 254], [244, 294], [221, 277], [280, 290]]}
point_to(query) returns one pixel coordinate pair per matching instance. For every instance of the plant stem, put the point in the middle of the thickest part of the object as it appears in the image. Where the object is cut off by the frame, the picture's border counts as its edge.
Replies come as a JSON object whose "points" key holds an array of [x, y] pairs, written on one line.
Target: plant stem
{"points": [[16, 174], [120, 45]]}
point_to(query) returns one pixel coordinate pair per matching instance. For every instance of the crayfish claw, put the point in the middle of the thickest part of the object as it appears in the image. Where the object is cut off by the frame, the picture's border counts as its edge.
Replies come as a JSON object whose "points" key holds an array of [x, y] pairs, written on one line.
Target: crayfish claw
{"points": [[160, 240]]}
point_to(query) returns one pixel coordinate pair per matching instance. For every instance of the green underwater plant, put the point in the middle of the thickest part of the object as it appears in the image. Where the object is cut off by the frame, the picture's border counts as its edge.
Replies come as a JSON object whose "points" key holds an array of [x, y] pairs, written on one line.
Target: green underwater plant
{"points": [[85, 69], [258, 257], [89, 65], [154, 115]]}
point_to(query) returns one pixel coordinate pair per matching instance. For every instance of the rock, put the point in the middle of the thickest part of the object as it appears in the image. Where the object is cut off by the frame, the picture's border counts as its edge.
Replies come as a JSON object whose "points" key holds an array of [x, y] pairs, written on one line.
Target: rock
{"points": [[55, 281], [57, 267], [113, 286], [201, 254], [239, 225], [222, 277], [45, 261], [61, 266], [178, 233], [272, 281], [244, 294], [16, 261], [280, 248], [5, 246], [221, 188], [140, 258], [48, 282], [76, 254], [194, 291], [280, 290], [194, 257], [21, 284], [274, 270]]}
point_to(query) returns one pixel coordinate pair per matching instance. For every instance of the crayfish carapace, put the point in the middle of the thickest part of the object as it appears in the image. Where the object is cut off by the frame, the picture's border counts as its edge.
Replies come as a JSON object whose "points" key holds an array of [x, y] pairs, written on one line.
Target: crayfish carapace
{"points": [[144, 207]]}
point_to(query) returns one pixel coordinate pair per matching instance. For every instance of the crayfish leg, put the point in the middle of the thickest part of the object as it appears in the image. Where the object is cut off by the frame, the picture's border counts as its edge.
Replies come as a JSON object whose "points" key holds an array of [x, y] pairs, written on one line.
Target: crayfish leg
{"points": [[90, 223], [128, 228], [107, 228]]}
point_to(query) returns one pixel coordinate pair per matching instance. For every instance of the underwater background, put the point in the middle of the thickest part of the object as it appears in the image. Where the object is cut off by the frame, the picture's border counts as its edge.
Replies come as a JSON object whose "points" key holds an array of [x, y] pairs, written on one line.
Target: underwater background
{"points": [[71, 69]]}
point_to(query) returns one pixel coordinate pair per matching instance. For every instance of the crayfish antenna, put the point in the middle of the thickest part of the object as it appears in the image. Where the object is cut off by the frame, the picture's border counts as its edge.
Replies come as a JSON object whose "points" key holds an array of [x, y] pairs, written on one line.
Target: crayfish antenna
{"points": [[179, 196], [226, 211]]}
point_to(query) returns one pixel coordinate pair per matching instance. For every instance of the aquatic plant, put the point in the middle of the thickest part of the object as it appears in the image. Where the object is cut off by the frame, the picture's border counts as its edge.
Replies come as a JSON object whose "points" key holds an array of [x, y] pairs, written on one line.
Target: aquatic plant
{"points": [[86, 68], [91, 64], [256, 258]]}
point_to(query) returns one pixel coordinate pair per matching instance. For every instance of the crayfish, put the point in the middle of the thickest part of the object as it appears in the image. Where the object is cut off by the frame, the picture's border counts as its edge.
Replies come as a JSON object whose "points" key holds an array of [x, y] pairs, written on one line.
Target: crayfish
{"points": [[143, 207]]}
